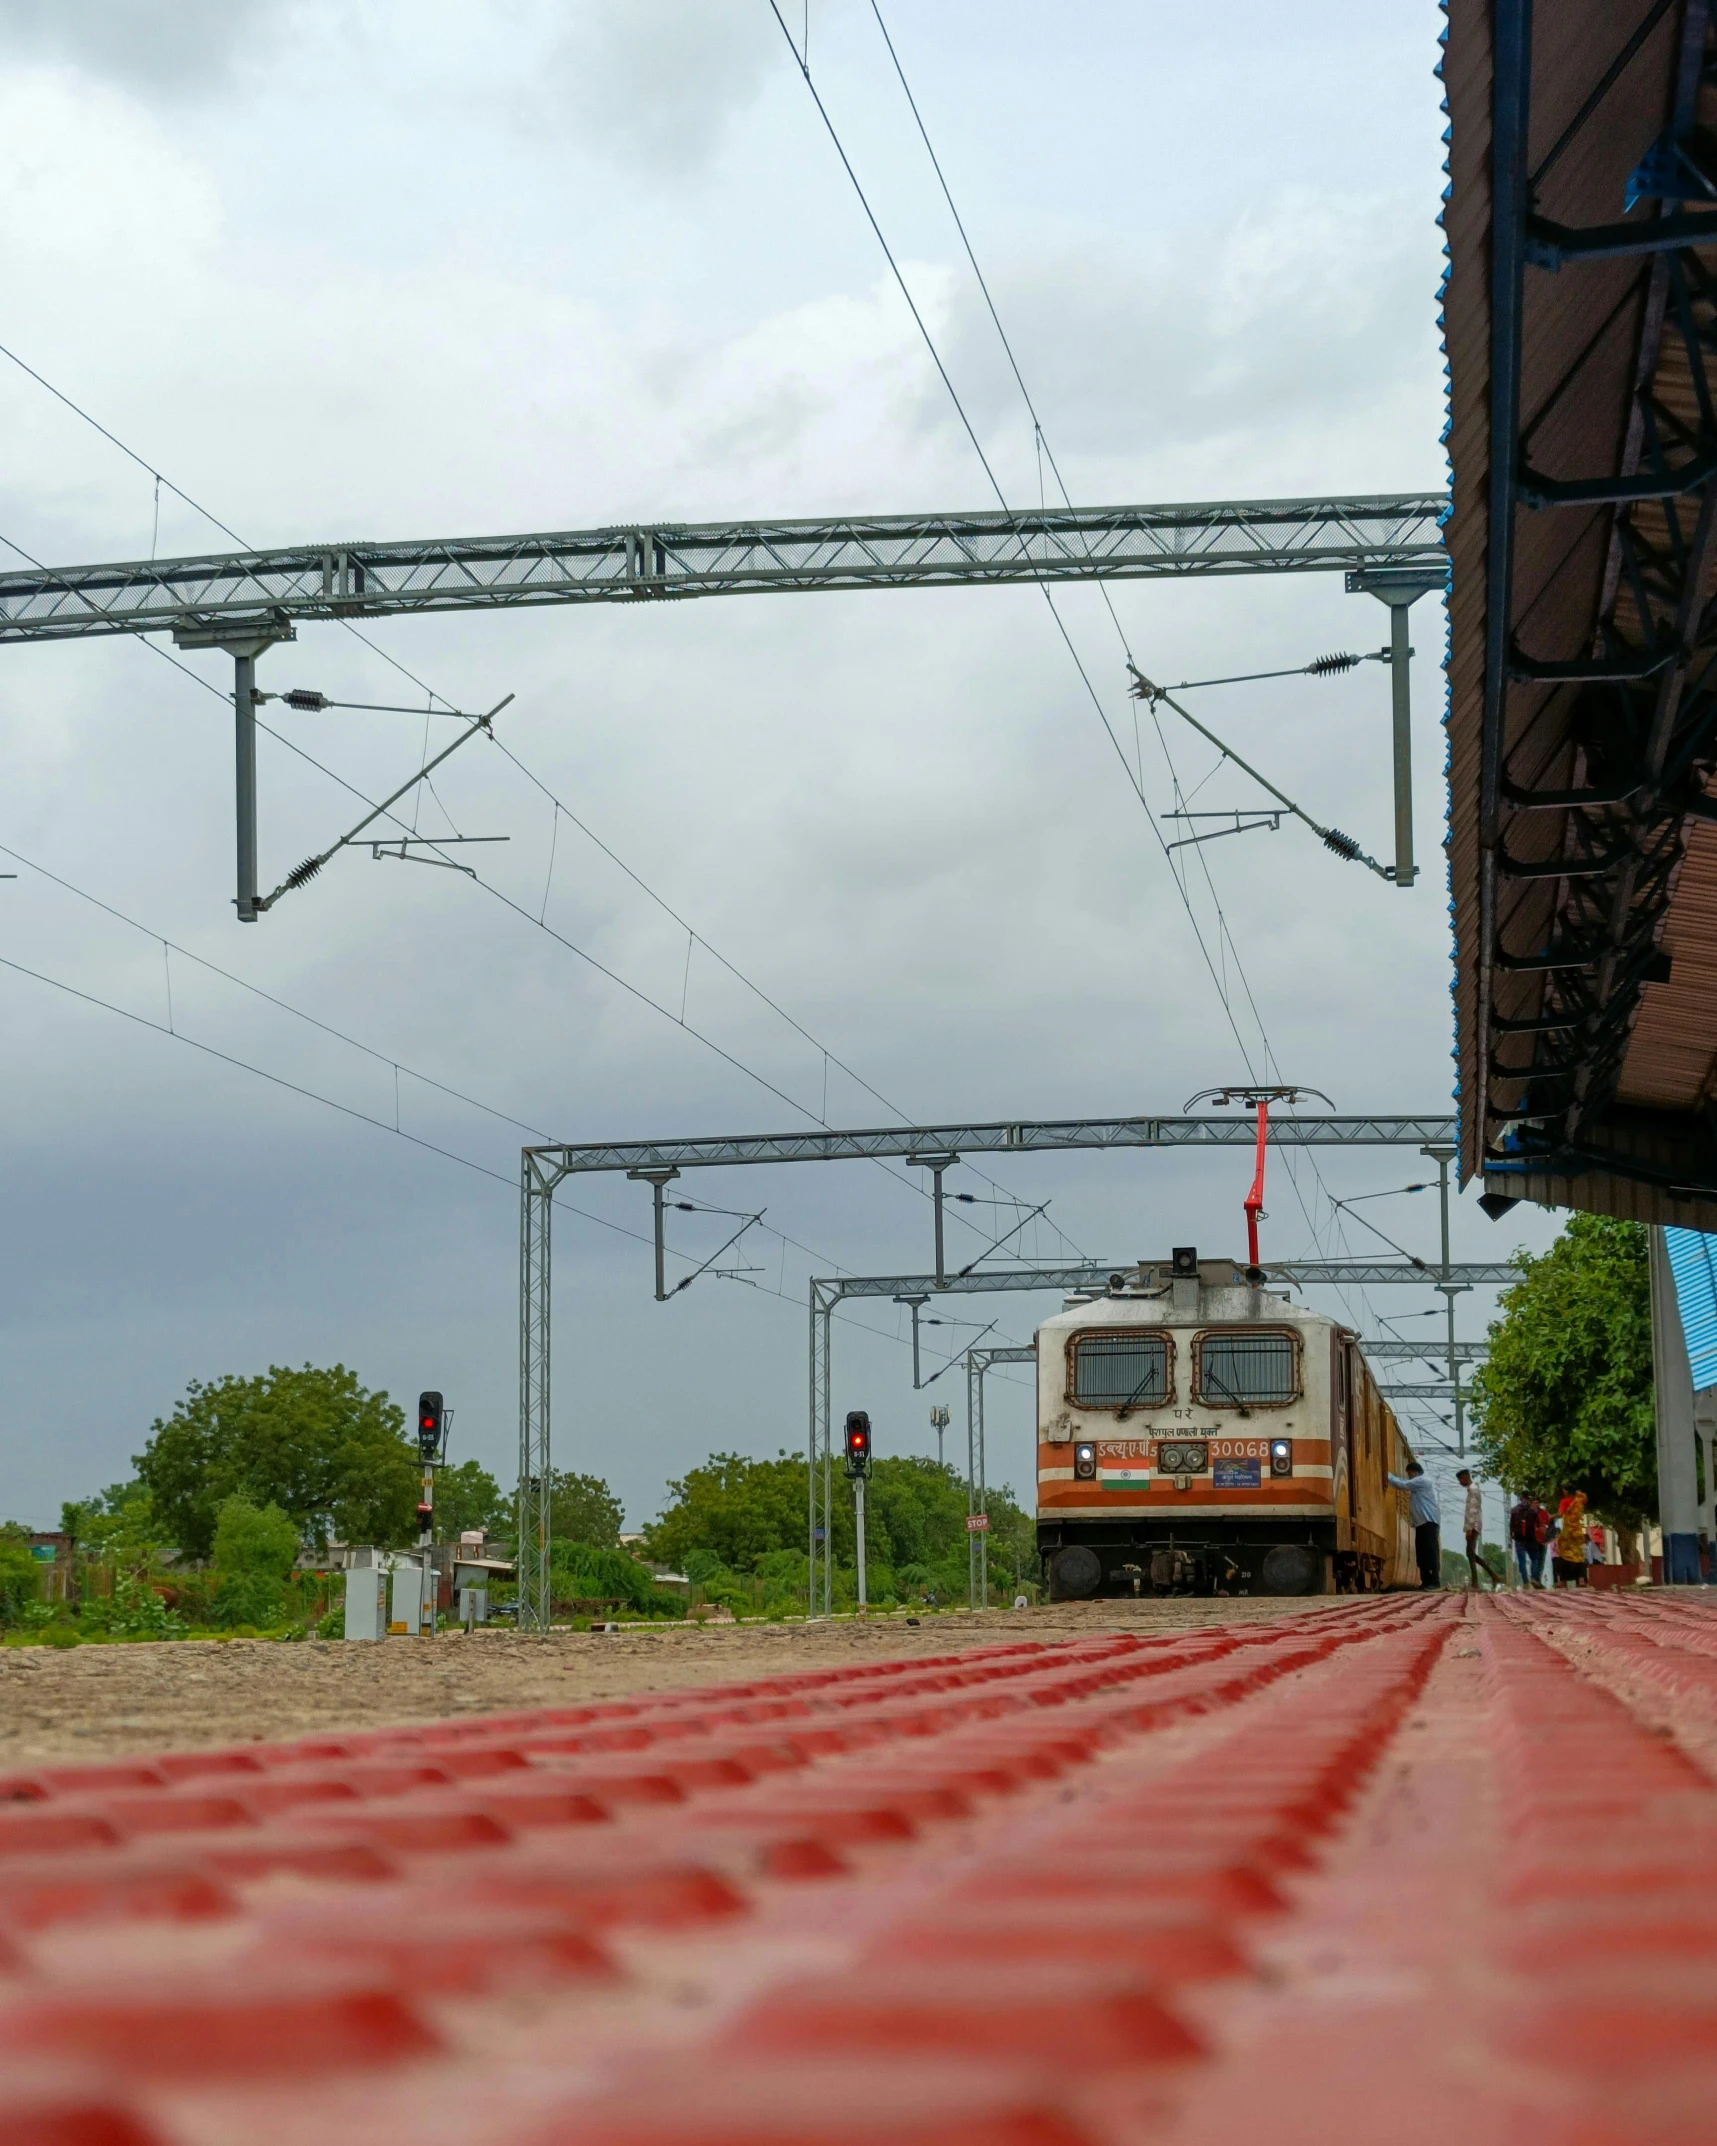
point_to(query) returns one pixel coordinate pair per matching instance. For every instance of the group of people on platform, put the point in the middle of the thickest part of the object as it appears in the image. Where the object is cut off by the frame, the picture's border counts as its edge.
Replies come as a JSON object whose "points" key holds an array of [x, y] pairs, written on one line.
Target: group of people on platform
{"points": [[1571, 1542]]}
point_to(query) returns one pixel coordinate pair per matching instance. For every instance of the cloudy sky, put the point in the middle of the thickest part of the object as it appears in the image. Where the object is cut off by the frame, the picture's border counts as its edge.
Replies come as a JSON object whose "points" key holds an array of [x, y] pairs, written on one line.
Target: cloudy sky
{"points": [[424, 270]]}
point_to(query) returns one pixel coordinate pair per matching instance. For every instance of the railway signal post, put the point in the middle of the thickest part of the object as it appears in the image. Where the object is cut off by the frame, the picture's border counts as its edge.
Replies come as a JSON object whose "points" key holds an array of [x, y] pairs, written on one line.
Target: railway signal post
{"points": [[858, 1467], [432, 1418]]}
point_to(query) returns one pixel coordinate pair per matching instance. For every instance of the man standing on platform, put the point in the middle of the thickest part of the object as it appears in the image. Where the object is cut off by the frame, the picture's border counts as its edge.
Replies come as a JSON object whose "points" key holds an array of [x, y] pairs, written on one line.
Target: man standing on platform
{"points": [[1427, 1516], [1472, 1526]]}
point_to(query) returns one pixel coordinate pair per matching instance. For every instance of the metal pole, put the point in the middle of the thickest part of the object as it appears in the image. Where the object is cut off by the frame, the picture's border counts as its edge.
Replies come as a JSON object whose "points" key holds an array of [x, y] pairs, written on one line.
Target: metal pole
{"points": [[811, 1467], [982, 1538], [656, 1179], [536, 1216], [244, 743], [973, 1404], [941, 1264], [828, 1471], [1449, 1288], [824, 1297], [913, 1304], [1399, 682], [858, 1522]]}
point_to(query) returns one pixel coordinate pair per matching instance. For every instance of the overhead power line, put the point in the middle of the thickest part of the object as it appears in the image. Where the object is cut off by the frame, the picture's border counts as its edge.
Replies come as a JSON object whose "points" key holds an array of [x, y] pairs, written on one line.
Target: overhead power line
{"points": [[318, 701], [1134, 775]]}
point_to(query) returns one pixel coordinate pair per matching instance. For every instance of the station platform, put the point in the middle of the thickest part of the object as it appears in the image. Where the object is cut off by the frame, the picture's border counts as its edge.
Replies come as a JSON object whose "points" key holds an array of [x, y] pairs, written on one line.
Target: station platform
{"points": [[1404, 1867]]}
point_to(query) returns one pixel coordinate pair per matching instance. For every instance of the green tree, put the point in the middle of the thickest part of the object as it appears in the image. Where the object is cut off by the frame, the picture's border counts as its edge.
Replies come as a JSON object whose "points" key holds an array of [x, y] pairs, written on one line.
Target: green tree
{"points": [[583, 1509], [469, 1497], [117, 1526], [1565, 1400], [317, 1444], [741, 1512], [254, 1550], [739, 1509]]}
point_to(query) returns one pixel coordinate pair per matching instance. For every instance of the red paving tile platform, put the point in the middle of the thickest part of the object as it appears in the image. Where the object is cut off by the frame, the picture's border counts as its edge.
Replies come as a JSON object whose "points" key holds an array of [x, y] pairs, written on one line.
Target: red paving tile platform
{"points": [[1409, 1869]]}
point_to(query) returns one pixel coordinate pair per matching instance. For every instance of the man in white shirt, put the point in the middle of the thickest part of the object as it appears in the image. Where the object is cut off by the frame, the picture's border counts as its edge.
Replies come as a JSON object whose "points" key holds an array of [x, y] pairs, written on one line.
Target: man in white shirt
{"points": [[1427, 1517], [1472, 1526]]}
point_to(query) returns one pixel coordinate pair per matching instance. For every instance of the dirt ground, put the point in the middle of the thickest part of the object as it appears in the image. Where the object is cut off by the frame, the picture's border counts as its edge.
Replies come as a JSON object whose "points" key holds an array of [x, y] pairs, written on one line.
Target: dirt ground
{"points": [[119, 1701]]}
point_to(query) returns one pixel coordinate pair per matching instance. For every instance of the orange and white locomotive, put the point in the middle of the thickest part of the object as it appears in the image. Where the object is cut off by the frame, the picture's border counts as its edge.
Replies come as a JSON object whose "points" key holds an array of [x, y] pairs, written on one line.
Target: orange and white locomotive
{"points": [[1199, 1432]]}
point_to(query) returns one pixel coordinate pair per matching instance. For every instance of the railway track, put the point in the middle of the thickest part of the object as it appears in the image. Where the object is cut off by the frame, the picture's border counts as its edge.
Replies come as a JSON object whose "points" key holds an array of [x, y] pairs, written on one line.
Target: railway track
{"points": [[1437, 1868]]}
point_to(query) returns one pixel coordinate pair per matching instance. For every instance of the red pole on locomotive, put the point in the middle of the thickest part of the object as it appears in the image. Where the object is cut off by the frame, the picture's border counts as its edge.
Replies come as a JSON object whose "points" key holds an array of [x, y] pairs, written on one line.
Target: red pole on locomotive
{"points": [[1258, 1099], [1254, 1200]]}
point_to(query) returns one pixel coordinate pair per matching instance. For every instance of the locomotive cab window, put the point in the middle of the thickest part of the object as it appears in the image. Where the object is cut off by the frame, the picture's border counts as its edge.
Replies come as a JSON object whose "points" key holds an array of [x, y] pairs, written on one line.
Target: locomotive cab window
{"points": [[1121, 1371], [1246, 1369]]}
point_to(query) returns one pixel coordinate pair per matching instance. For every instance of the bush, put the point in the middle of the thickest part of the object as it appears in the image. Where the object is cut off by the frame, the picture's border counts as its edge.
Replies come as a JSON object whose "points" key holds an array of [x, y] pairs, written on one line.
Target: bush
{"points": [[20, 1577], [134, 1610], [254, 1551]]}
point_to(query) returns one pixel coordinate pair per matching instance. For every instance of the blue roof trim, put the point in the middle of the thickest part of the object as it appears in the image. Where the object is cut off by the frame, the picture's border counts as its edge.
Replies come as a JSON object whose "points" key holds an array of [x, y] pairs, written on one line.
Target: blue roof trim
{"points": [[1693, 1261]]}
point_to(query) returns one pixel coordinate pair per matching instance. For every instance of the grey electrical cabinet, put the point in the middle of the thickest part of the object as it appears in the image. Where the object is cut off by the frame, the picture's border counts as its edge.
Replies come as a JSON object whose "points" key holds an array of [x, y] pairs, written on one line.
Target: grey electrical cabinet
{"points": [[366, 1602]]}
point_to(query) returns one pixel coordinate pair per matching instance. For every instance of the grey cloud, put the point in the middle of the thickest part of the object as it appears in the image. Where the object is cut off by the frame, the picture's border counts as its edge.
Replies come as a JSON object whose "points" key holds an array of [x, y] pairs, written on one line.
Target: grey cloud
{"points": [[1317, 310], [658, 81], [185, 49]]}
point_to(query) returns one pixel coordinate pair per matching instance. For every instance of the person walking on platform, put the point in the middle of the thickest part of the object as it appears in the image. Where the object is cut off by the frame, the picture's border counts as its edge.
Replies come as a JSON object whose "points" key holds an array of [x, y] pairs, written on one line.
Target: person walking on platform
{"points": [[1472, 1527], [1528, 1531], [1427, 1517], [1569, 1558]]}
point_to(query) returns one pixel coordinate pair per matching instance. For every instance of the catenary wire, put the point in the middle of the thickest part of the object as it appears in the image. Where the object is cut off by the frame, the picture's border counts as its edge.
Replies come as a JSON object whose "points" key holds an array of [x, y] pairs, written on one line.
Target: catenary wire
{"points": [[1225, 936], [498, 894], [405, 672], [348, 1110], [1046, 452]]}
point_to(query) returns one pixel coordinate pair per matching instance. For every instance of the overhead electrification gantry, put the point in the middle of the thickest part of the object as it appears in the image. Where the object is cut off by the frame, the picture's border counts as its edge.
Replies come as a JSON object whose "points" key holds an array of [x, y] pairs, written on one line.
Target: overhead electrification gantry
{"points": [[244, 602], [266, 593], [934, 1148]]}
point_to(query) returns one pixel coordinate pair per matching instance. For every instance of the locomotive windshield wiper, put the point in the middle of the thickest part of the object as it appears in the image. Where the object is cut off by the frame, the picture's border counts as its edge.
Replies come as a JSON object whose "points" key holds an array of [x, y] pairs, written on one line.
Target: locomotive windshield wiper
{"points": [[1223, 1386], [1137, 1391]]}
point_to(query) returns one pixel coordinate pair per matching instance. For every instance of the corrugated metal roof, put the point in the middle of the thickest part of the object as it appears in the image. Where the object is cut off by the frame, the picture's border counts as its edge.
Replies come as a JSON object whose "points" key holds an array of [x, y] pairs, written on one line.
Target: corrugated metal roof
{"points": [[1693, 1261], [1605, 380]]}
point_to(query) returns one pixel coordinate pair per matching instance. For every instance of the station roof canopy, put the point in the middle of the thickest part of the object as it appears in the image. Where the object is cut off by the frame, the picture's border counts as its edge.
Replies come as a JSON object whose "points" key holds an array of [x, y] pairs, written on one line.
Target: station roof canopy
{"points": [[1580, 324]]}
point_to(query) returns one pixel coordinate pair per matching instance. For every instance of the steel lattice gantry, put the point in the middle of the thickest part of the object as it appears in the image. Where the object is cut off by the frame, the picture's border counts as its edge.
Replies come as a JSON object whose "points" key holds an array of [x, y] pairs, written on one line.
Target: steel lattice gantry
{"points": [[231, 593], [1581, 335], [937, 1147], [243, 602]]}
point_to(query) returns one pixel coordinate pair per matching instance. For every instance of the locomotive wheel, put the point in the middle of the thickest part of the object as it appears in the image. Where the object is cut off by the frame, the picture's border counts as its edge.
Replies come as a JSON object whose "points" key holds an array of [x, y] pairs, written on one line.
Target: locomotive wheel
{"points": [[1075, 1574], [1293, 1568]]}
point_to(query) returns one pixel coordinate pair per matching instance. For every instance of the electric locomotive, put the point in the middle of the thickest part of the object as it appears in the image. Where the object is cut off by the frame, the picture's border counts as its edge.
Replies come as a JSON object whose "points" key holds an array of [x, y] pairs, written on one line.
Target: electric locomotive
{"points": [[1201, 1433]]}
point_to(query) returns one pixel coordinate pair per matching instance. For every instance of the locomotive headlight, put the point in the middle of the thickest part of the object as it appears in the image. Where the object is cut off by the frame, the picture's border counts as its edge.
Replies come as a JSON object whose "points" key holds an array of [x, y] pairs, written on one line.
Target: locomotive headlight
{"points": [[1281, 1456], [1085, 1463]]}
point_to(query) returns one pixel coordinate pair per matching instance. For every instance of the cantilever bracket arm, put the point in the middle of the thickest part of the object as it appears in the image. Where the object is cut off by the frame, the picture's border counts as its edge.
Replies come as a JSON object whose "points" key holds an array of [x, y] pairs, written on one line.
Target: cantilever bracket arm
{"points": [[302, 874]]}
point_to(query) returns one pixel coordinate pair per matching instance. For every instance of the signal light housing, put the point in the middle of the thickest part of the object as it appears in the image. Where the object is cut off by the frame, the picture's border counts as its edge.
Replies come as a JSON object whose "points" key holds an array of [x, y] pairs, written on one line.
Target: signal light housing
{"points": [[858, 1443], [1281, 1456], [431, 1422], [1085, 1462]]}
